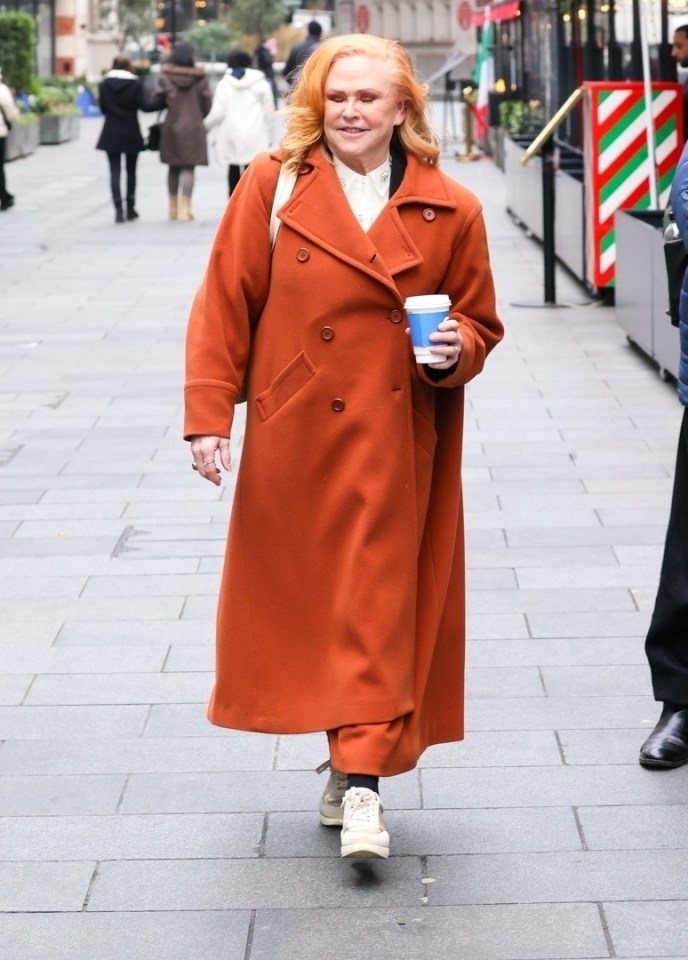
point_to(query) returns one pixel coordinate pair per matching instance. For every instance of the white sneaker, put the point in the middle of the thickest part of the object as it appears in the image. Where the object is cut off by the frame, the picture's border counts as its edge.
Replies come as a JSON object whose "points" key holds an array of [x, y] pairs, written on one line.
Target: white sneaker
{"points": [[363, 829], [331, 812]]}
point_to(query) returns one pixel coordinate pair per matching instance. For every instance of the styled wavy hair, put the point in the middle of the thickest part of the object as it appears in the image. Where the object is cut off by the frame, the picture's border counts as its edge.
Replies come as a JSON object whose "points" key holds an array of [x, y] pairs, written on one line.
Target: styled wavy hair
{"points": [[306, 103]]}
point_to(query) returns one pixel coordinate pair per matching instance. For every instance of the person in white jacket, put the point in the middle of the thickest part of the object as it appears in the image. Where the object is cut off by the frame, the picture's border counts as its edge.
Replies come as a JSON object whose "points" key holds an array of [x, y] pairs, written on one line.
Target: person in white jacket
{"points": [[243, 108], [8, 114]]}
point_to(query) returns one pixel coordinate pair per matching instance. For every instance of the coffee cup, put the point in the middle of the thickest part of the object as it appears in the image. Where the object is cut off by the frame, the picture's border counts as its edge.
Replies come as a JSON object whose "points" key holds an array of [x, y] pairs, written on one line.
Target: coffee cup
{"points": [[425, 313]]}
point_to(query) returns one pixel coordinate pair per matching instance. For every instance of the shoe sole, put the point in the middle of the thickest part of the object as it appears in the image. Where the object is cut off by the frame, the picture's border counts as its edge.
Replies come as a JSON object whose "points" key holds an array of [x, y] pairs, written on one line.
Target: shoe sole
{"points": [[661, 764], [331, 821], [365, 849]]}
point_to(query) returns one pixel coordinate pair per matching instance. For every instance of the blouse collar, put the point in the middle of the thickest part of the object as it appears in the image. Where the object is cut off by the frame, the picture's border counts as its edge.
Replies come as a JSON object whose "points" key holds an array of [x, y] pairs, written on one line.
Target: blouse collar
{"points": [[378, 178]]}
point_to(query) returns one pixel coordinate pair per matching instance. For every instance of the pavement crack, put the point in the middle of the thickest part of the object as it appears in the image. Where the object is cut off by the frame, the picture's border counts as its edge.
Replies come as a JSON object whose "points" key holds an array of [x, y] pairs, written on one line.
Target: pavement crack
{"points": [[249, 935]]}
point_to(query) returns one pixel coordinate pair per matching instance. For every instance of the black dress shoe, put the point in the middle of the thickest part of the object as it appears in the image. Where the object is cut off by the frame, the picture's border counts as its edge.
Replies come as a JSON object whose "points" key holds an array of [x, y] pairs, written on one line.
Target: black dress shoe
{"points": [[667, 745]]}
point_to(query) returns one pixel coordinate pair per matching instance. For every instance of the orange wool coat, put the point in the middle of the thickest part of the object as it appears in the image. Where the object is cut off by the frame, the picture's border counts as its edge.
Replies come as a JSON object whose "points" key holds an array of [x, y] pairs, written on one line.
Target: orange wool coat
{"points": [[342, 595]]}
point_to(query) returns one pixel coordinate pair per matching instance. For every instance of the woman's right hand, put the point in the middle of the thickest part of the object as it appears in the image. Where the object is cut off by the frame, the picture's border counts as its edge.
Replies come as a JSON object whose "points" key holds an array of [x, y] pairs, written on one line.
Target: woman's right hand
{"points": [[204, 451]]}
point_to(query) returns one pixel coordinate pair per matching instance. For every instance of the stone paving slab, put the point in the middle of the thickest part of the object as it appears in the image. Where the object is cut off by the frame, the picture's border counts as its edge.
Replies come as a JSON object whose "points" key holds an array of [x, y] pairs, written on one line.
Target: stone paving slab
{"points": [[254, 884], [44, 887], [652, 928], [593, 876], [149, 837], [233, 751], [524, 932], [168, 935]]}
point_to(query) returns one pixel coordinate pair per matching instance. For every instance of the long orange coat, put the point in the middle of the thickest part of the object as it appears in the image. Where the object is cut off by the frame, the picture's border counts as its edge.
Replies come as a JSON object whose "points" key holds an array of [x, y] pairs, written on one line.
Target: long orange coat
{"points": [[342, 596]]}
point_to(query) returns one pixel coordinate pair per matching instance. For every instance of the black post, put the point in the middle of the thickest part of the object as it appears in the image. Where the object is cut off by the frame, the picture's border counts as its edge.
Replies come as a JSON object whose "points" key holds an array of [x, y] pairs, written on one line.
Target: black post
{"points": [[173, 21], [548, 172]]}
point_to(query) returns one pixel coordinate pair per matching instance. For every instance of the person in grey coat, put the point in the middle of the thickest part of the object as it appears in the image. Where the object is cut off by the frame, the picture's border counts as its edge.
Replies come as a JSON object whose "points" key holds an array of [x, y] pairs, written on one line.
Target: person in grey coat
{"points": [[121, 96], [666, 645], [184, 90]]}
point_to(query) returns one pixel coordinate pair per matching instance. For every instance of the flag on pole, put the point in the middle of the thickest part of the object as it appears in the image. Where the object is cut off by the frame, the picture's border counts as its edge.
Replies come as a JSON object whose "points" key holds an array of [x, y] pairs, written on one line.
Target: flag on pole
{"points": [[483, 77]]}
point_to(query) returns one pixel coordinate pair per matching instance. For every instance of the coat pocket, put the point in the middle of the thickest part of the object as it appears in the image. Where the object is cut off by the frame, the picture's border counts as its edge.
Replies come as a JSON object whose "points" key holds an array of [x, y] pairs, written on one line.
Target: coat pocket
{"points": [[286, 384]]}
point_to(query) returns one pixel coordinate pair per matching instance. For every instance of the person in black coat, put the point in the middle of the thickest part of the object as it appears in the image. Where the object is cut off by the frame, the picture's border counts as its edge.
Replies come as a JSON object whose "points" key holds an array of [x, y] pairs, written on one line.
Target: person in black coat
{"points": [[121, 97]]}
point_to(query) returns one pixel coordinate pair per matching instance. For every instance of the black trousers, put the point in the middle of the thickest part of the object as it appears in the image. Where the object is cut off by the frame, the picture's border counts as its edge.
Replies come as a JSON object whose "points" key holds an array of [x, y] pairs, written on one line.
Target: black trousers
{"points": [[666, 645], [4, 195], [115, 161], [234, 172]]}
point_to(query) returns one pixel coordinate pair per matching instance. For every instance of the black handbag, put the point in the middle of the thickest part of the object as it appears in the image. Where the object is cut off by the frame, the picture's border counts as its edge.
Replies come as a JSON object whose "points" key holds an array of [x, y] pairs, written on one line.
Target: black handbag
{"points": [[152, 141], [676, 260]]}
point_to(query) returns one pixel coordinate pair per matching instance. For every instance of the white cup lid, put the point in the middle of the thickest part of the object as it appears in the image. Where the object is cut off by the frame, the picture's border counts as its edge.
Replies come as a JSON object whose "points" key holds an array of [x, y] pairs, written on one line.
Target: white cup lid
{"points": [[428, 301]]}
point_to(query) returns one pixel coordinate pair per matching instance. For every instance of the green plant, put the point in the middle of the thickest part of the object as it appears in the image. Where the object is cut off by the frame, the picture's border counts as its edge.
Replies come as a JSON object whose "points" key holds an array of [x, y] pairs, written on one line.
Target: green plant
{"points": [[26, 118], [17, 43], [521, 117], [56, 98], [259, 17], [212, 41]]}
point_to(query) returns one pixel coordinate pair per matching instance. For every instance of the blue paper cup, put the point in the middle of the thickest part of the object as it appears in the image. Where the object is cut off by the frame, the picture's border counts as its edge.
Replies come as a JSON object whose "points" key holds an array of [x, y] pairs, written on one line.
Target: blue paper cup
{"points": [[425, 313]]}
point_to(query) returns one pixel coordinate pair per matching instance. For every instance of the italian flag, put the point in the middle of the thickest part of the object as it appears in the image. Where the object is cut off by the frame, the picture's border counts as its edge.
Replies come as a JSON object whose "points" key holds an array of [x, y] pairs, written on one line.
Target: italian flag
{"points": [[483, 77]]}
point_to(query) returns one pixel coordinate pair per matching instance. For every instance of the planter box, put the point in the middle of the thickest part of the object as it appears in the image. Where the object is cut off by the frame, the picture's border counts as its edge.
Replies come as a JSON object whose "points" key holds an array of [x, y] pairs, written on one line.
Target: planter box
{"points": [[524, 203], [641, 290], [58, 129], [22, 140]]}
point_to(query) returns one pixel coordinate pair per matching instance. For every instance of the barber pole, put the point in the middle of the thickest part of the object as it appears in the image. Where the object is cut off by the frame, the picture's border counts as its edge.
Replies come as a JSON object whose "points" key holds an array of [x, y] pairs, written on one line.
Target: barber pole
{"points": [[619, 160]]}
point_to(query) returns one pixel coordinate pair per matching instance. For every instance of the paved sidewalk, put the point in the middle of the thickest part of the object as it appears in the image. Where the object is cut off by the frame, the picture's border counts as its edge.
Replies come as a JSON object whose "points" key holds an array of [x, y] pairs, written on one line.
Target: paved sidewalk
{"points": [[129, 827]]}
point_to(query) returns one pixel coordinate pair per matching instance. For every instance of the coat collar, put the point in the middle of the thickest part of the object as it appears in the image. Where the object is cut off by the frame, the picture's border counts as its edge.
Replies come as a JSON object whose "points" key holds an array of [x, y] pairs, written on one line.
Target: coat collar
{"points": [[319, 211]]}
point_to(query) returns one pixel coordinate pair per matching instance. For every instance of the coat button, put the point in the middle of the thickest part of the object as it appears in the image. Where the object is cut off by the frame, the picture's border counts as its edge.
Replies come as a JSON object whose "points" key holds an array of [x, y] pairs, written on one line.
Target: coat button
{"points": [[327, 333], [302, 255], [429, 214], [396, 316], [338, 405]]}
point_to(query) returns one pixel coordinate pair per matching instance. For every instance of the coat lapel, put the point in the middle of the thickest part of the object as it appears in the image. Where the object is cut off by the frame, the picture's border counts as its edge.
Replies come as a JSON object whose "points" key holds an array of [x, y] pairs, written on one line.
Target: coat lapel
{"points": [[320, 212]]}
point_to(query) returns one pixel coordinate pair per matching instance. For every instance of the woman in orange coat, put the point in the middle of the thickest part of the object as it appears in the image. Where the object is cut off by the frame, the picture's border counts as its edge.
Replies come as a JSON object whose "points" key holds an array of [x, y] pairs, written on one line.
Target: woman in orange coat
{"points": [[342, 599]]}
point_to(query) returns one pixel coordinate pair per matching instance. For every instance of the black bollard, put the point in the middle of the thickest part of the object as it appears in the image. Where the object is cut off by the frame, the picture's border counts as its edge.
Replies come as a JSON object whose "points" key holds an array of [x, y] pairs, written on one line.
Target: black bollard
{"points": [[548, 242]]}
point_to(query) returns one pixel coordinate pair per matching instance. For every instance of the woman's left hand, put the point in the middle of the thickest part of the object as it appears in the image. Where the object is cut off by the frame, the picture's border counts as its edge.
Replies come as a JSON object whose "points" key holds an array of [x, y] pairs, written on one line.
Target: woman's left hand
{"points": [[446, 343]]}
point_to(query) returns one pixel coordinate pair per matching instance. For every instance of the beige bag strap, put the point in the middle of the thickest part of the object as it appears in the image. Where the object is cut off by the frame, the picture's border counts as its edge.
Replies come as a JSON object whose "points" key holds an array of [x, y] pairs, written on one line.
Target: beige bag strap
{"points": [[283, 190]]}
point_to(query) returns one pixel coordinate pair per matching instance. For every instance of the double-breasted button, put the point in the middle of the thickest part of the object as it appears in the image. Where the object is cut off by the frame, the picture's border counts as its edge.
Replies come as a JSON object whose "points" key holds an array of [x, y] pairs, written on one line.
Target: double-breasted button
{"points": [[327, 333], [429, 214], [302, 254], [338, 405], [396, 316]]}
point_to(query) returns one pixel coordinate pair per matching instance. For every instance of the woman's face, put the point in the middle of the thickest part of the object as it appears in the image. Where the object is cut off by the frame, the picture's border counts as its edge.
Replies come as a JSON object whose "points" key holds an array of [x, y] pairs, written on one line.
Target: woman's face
{"points": [[361, 111]]}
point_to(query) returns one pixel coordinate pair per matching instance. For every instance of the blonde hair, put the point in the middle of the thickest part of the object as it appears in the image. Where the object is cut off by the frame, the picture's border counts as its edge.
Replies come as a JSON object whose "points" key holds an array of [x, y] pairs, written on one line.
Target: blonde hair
{"points": [[306, 103]]}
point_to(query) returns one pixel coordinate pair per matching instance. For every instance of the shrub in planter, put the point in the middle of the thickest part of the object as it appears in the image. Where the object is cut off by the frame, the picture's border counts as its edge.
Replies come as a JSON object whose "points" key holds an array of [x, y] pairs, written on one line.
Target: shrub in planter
{"points": [[58, 112], [522, 118]]}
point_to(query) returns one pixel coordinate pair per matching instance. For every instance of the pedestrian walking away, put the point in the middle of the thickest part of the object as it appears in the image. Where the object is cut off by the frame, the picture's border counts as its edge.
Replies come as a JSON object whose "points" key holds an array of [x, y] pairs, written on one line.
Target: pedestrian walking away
{"points": [[9, 113], [183, 89], [341, 604], [666, 644], [300, 52], [265, 60], [242, 111], [121, 96]]}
